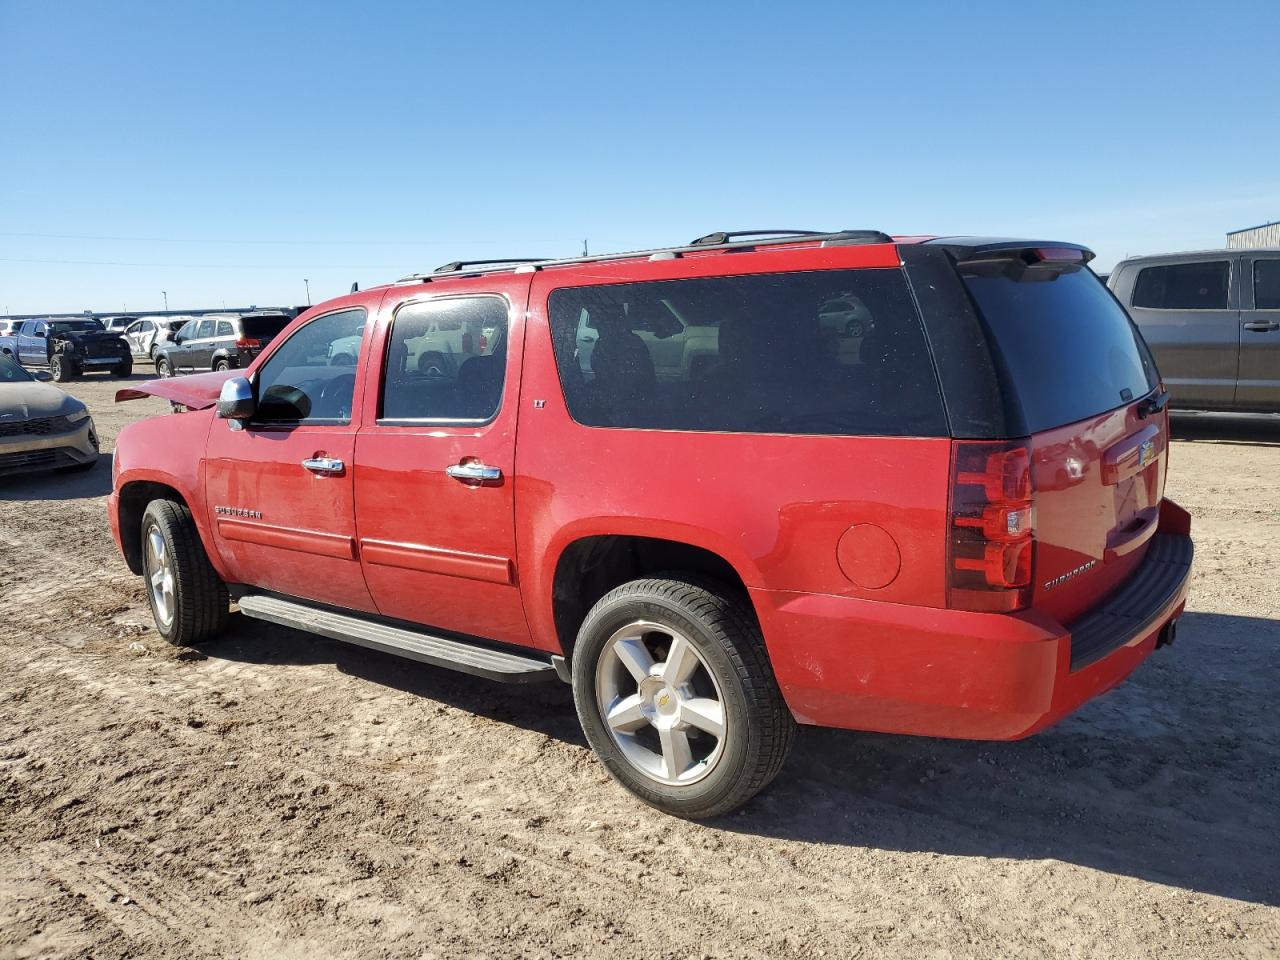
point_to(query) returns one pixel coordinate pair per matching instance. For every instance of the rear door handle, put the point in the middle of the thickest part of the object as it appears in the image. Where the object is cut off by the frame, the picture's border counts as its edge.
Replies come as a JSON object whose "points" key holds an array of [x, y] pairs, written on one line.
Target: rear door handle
{"points": [[325, 466], [1262, 326], [473, 471]]}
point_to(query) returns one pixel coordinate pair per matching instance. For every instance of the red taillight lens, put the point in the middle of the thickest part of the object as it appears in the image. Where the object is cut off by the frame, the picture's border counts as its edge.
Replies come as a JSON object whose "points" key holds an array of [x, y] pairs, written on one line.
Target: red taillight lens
{"points": [[992, 518], [248, 343], [484, 343]]}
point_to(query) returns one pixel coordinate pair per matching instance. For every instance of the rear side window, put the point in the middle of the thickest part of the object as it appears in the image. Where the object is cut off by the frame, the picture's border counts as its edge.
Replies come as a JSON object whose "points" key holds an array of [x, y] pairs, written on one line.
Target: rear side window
{"points": [[446, 361], [1066, 348], [1183, 286], [825, 352], [225, 329], [1266, 284]]}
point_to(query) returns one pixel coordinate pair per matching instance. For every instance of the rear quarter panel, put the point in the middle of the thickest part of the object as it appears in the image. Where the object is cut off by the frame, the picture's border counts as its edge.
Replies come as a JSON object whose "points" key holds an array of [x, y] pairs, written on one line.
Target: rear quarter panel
{"points": [[773, 506]]}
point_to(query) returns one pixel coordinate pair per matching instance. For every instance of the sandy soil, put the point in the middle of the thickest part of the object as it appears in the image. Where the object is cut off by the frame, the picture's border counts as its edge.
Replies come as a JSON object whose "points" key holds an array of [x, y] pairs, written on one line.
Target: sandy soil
{"points": [[276, 795]]}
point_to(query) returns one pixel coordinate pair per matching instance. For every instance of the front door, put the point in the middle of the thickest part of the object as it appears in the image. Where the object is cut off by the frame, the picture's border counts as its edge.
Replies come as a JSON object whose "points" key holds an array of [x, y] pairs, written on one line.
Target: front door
{"points": [[279, 491], [1259, 387], [33, 342], [433, 480], [1191, 320], [197, 353]]}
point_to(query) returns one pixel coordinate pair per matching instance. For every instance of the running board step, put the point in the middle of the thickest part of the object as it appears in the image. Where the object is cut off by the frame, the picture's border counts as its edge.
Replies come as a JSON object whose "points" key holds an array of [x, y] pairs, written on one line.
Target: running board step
{"points": [[454, 654]]}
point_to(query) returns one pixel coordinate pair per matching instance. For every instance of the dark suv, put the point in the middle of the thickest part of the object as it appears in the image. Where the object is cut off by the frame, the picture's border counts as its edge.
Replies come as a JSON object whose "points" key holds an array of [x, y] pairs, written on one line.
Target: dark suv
{"points": [[907, 486], [219, 342]]}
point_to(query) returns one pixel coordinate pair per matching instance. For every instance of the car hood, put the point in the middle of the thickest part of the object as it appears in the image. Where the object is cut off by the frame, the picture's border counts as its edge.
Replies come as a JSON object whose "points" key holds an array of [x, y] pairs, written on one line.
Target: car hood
{"points": [[197, 392], [30, 401]]}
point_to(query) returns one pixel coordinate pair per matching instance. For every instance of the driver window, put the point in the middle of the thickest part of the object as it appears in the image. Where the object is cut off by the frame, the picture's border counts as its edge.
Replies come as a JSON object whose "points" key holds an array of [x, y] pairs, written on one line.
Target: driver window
{"points": [[188, 330], [311, 377]]}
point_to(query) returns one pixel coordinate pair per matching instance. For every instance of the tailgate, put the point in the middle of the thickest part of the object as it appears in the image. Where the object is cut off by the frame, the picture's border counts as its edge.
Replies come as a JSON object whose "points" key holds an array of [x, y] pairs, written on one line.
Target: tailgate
{"points": [[1098, 486]]}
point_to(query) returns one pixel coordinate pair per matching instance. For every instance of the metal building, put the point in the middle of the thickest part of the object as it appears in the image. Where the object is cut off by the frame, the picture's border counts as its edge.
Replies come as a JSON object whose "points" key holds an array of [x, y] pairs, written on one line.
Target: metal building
{"points": [[1252, 238]]}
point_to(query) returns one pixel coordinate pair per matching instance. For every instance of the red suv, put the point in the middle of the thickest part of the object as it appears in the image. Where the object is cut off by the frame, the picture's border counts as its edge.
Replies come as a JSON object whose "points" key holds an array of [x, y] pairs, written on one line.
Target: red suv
{"points": [[688, 482]]}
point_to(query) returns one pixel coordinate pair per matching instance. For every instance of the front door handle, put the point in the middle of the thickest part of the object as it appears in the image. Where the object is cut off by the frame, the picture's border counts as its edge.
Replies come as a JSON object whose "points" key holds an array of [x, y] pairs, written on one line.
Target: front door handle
{"points": [[473, 471], [1262, 326], [325, 466]]}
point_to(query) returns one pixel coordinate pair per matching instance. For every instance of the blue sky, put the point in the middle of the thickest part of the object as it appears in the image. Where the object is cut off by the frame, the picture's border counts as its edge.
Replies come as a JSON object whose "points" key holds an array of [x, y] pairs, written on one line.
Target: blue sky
{"points": [[225, 151]]}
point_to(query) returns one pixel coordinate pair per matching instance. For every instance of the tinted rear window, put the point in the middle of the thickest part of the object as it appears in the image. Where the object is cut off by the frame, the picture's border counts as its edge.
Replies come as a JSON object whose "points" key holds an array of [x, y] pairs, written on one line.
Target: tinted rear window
{"points": [[825, 352], [1183, 286], [1064, 345], [1266, 284], [263, 328]]}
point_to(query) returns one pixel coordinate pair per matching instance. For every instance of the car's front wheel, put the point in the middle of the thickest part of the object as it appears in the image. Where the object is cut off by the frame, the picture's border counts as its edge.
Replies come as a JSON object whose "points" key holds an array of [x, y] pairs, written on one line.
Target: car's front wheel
{"points": [[124, 368], [61, 368], [676, 695], [188, 599], [163, 367]]}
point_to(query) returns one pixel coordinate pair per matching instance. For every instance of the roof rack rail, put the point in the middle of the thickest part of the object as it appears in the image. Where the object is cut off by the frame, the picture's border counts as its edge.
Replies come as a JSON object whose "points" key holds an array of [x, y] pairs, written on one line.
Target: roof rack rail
{"points": [[532, 265], [456, 266], [722, 236]]}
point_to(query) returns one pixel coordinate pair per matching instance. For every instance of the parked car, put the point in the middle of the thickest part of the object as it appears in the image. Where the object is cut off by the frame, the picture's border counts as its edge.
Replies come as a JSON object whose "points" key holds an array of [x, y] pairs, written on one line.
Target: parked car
{"points": [[1212, 320], [7, 327], [116, 324], [69, 348], [957, 529], [41, 428], [147, 334], [219, 342]]}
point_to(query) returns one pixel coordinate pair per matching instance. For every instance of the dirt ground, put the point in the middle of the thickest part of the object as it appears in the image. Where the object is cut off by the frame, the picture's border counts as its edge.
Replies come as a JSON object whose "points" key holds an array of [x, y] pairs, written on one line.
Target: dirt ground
{"points": [[279, 795]]}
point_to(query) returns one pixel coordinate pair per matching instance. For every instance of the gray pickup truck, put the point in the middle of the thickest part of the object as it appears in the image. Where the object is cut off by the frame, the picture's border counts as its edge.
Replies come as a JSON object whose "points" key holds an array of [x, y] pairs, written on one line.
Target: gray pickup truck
{"points": [[68, 348], [1212, 319]]}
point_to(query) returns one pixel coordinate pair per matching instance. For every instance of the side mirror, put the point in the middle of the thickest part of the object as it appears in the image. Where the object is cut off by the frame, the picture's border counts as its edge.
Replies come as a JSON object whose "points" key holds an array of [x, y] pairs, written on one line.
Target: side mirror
{"points": [[177, 339], [42, 375], [42, 335], [236, 402]]}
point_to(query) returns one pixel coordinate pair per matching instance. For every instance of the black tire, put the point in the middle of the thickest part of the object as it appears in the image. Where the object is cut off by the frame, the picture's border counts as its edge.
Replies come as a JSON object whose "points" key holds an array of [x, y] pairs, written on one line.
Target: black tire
{"points": [[61, 368], [163, 368], [124, 369], [720, 625], [222, 363], [200, 600]]}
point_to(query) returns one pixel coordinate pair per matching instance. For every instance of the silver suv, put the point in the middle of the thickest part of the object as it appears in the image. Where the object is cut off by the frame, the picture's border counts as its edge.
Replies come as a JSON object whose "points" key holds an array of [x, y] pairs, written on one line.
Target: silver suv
{"points": [[1212, 319]]}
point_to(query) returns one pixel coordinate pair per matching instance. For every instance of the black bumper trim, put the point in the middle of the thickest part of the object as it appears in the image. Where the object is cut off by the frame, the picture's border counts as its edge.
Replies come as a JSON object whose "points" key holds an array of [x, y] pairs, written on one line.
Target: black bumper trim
{"points": [[1135, 609]]}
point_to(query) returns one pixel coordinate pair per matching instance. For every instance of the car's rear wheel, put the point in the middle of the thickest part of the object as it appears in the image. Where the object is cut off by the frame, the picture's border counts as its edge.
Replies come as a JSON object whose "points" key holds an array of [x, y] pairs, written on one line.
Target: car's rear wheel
{"points": [[61, 368], [188, 599], [163, 367], [222, 363], [677, 697]]}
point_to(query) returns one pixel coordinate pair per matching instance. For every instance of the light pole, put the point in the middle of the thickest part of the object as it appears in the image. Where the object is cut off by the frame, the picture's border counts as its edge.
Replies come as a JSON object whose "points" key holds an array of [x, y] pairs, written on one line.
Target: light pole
{"points": [[308, 283], [165, 294]]}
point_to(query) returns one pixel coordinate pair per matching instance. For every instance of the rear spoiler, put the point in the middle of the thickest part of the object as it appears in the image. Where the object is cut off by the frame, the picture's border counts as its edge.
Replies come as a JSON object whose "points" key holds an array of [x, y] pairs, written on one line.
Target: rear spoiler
{"points": [[996, 248], [198, 392]]}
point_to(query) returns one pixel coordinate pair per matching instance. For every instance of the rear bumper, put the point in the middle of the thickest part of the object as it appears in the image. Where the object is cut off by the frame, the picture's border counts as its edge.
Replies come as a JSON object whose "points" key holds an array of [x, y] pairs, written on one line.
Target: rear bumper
{"points": [[865, 665]]}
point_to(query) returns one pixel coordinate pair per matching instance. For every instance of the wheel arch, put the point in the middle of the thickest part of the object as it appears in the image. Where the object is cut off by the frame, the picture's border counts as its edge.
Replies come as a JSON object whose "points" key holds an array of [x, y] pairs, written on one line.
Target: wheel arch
{"points": [[590, 566]]}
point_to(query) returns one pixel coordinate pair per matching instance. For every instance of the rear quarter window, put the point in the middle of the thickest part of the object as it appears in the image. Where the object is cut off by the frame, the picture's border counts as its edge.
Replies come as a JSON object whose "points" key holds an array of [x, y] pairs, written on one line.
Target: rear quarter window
{"points": [[838, 352], [1064, 346]]}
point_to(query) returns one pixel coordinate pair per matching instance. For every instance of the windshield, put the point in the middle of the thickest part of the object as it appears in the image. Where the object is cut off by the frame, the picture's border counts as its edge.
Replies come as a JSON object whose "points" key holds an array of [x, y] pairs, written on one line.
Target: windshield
{"points": [[11, 371], [1067, 347], [78, 326]]}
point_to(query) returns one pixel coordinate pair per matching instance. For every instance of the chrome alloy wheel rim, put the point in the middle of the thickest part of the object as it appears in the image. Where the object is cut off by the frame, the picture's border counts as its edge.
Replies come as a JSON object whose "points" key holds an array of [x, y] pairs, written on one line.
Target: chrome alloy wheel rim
{"points": [[160, 576], [661, 703]]}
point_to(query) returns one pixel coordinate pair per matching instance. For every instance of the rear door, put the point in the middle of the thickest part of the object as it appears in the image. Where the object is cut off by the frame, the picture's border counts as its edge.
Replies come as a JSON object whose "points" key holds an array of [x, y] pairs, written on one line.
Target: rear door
{"points": [[434, 479], [1188, 312], [1259, 386], [1083, 382]]}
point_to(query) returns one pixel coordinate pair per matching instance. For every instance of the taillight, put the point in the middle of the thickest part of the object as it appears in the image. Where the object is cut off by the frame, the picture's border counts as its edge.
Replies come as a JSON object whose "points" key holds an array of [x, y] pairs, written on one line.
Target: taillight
{"points": [[484, 343], [992, 519], [248, 343]]}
